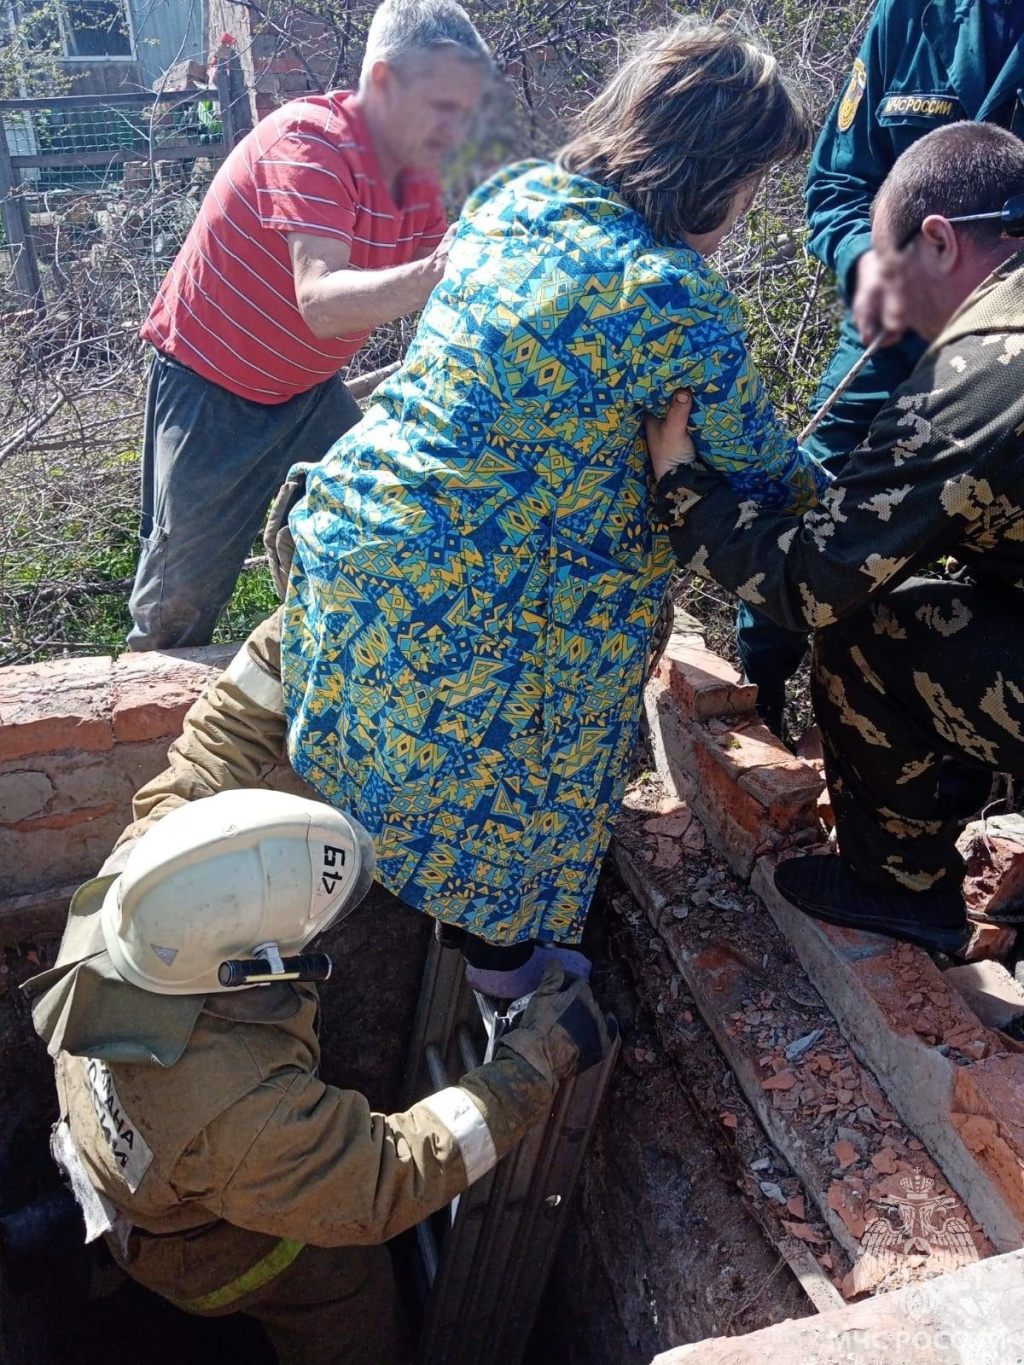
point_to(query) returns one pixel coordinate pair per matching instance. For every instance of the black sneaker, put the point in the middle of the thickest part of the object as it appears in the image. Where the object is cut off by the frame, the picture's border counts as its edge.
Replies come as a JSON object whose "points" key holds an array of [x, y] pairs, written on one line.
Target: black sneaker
{"points": [[824, 889], [449, 935]]}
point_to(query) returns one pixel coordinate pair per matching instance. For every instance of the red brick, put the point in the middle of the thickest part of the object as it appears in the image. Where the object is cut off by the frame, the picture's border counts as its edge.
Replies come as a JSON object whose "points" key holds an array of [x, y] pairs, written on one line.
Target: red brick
{"points": [[724, 977], [731, 818], [784, 788], [704, 685], [714, 767], [705, 769], [987, 1110], [764, 767], [956, 1084], [993, 851], [758, 770], [46, 708], [150, 693]]}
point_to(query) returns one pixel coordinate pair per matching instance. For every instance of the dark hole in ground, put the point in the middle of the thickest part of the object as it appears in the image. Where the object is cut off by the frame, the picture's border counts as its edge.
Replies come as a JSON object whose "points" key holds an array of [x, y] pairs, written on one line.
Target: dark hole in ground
{"points": [[661, 1248]]}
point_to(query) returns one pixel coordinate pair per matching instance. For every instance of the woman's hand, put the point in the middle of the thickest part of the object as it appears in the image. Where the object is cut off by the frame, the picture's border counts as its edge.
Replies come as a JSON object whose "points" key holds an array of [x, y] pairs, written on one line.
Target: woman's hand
{"points": [[669, 441]]}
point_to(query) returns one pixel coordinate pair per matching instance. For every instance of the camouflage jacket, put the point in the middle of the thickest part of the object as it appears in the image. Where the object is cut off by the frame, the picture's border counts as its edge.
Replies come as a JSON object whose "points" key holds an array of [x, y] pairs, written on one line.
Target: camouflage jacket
{"points": [[941, 472]]}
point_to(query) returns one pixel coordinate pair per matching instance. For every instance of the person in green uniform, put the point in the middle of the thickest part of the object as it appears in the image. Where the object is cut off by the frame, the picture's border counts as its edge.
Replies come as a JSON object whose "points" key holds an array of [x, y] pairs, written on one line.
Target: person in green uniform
{"points": [[923, 64]]}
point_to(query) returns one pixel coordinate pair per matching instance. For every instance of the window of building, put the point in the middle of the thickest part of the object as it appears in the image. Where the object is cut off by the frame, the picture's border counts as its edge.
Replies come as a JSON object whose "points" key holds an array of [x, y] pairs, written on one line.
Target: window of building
{"points": [[95, 28], [72, 30]]}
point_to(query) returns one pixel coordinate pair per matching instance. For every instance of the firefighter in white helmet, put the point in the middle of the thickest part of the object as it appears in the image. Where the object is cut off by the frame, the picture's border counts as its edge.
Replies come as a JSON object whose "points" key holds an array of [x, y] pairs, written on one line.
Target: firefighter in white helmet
{"points": [[194, 1129]]}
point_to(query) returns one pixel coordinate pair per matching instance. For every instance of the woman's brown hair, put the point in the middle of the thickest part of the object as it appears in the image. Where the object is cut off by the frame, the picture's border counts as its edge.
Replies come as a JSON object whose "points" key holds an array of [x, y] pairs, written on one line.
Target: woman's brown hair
{"points": [[695, 113]]}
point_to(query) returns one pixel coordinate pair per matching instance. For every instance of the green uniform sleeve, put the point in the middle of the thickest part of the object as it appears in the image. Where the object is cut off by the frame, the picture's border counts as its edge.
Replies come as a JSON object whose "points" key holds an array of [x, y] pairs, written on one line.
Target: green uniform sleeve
{"points": [[912, 492], [852, 158], [324, 1168]]}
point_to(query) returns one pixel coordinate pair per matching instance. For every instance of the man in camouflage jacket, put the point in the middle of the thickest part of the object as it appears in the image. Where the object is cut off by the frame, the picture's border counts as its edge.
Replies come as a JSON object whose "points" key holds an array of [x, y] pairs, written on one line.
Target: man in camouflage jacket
{"points": [[911, 676]]}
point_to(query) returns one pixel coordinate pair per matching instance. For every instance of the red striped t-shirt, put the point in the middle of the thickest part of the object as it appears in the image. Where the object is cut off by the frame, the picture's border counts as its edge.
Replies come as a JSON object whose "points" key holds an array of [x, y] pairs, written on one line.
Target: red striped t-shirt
{"points": [[227, 306]]}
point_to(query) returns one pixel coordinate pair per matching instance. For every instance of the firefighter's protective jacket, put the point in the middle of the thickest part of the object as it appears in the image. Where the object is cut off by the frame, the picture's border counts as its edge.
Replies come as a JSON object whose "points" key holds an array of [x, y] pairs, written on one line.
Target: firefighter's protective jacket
{"points": [[239, 1135]]}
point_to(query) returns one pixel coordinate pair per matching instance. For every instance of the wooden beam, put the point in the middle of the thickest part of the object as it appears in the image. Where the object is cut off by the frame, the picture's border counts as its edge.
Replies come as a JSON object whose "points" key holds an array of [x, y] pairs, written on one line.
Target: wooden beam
{"points": [[16, 227], [177, 151], [131, 100]]}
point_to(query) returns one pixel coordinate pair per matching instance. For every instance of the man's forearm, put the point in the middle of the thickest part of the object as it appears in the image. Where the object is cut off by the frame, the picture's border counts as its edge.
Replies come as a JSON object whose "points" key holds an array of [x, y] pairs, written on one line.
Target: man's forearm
{"points": [[928, 475], [342, 302]]}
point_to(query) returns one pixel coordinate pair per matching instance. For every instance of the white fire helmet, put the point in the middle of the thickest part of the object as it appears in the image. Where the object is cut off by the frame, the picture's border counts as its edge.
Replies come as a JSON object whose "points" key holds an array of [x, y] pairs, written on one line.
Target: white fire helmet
{"points": [[218, 878]]}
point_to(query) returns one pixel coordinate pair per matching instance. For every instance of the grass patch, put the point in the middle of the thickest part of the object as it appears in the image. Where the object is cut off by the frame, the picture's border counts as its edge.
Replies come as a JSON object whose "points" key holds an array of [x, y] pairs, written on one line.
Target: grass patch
{"points": [[67, 577]]}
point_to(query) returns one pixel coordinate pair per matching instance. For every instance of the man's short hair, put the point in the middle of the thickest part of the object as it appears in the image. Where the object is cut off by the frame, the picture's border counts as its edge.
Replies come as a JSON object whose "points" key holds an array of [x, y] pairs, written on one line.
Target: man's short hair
{"points": [[960, 168], [405, 30]]}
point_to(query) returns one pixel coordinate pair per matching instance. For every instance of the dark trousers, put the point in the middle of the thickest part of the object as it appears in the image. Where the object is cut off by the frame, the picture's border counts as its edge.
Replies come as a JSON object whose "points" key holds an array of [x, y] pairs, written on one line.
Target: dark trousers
{"points": [[770, 653], [330, 1306], [924, 684], [211, 463]]}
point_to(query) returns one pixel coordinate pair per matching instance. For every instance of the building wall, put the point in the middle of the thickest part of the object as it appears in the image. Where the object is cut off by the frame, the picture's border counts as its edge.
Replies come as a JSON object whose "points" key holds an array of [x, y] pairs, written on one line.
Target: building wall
{"points": [[166, 32], [272, 72]]}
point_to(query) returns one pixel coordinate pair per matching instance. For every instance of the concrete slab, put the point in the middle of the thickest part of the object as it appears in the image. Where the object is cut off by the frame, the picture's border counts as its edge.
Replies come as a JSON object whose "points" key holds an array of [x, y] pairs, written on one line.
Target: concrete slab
{"points": [[821, 1110], [974, 1316], [956, 1084], [990, 991]]}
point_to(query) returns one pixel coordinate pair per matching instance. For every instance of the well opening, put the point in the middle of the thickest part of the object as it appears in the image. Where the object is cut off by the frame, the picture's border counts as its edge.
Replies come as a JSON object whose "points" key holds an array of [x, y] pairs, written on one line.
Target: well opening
{"points": [[661, 1246]]}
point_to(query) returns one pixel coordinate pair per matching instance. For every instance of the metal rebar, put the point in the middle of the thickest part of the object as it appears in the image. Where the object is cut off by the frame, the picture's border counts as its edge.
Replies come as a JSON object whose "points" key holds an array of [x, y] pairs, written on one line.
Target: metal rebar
{"points": [[436, 1067], [467, 1048], [841, 387]]}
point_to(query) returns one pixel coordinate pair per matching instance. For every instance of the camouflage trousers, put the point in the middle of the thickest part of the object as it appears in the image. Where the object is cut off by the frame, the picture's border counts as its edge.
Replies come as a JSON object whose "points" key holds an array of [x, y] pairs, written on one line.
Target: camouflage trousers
{"points": [[920, 699]]}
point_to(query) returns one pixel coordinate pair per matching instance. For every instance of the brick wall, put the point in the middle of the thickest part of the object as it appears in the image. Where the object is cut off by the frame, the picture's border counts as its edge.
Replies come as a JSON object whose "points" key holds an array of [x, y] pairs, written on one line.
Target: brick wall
{"points": [[752, 795], [78, 737], [958, 1085], [270, 67]]}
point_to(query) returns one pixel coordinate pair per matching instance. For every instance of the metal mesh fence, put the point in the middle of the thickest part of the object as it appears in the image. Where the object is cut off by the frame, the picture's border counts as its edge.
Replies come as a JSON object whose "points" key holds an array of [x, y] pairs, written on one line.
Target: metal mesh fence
{"points": [[63, 135]]}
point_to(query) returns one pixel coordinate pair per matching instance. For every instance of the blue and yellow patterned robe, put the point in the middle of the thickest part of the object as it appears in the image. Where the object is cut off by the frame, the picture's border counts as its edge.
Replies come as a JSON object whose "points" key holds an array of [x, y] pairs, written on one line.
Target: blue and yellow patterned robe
{"points": [[478, 575]]}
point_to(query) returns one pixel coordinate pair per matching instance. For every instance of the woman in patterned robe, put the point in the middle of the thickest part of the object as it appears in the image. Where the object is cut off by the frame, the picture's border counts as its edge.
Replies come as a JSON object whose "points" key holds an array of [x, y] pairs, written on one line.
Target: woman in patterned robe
{"points": [[478, 574]]}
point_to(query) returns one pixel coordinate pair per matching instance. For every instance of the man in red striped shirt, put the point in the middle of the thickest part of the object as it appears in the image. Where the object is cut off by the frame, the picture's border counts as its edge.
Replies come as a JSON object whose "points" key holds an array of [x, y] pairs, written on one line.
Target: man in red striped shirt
{"points": [[323, 223]]}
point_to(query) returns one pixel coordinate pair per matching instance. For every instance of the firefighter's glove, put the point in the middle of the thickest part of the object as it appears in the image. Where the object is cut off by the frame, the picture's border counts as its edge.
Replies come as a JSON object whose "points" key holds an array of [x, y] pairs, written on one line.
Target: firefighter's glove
{"points": [[278, 540], [562, 1030]]}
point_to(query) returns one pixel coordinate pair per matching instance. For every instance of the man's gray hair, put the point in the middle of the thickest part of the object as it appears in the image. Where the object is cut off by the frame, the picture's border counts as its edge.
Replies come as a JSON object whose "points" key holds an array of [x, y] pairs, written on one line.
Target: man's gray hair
{"points": [[404, 29]]}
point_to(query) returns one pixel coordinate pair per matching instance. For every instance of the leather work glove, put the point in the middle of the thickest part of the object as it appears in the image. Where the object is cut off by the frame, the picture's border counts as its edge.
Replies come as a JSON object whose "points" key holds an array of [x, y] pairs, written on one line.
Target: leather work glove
{"points": [[562, 1030], [278, 540]]}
